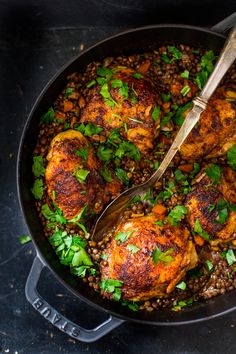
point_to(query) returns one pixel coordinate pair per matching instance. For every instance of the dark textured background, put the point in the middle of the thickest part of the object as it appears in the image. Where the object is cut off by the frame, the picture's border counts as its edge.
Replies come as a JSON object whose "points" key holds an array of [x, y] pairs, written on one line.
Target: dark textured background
{"points": [[36, 38]]}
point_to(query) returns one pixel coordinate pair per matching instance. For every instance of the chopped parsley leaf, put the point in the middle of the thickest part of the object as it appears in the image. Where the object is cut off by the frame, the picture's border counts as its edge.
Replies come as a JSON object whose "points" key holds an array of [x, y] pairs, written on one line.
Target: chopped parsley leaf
{"points": [[209, 265], [112, 286], [53, 216], [38, 166], [122, 175], [106, 174], [81, 174], [123, 236], [91, 83], [24, 239], [104, 153], [159, 256], [214, 172], [230, 257], [48, 117], [231, 157], [88, 129], [199, 230], [83, 152], [131, 305], [185, 74], [176, 53], [132, 248], [181, 285], [37, 189], [156, 113], [185, 90], [69, 91], [137, 76], [177, 214]]}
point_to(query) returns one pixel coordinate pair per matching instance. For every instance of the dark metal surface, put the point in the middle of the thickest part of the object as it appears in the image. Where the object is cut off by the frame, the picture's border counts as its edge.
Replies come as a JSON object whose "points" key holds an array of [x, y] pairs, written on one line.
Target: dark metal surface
{"points": [[28, 59]]}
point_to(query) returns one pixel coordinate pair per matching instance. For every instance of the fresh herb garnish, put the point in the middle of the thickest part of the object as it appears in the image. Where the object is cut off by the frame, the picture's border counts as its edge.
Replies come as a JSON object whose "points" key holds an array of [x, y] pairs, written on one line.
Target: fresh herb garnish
{"points": [[177, 214], [209, 265], [69, 91], [48, 117], [128, 149], [88, 129], [38, 166], [159, 222], [207, 67], [37, 189], [104, 153], [199, 230], [83, 152], [112, 286], [123, 236], [165, 97], [176, 53], [107, 96], [185, 90], [165, 120], [132, 248], [159, 256], [196, 169], [53, 216], [24, 239], [178, 117], [230, 257], [231, 157], [156, 113], [214, 172], [106, 174], [222, 215], [91, 83], [131, 305], [71, 251], [137, 76], [80, 174], [122, 175], [180, 304], [185, 74], [181, 285]]}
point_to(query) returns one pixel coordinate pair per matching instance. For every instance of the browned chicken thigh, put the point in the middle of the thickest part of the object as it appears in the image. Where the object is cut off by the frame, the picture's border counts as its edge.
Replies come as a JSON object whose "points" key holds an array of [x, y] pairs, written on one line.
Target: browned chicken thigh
{"points": [[216, 131], [209, 206], [127, 101], [72, 175], [147, 258]]}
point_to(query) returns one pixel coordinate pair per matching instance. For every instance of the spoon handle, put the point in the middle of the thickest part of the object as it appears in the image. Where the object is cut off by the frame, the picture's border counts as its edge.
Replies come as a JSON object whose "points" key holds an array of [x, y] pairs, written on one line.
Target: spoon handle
{"points": [[225, 60]]}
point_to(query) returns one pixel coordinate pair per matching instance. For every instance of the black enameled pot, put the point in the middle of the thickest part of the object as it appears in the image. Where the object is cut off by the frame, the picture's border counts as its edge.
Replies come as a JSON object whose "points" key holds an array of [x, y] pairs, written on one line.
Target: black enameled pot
{"points": [[133, 41]]}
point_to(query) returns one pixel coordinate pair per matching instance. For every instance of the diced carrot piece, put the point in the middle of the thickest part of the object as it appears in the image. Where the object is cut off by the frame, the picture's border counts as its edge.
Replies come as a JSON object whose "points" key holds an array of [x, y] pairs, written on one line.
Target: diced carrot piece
{"points": [[159, 209], [68, 106], [188, 167], [199, 240], [144, 67]]}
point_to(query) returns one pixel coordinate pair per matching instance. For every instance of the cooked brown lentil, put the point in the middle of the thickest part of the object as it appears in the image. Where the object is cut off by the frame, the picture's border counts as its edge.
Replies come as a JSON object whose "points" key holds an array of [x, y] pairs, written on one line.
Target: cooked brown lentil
{"points": [[203, 284]]}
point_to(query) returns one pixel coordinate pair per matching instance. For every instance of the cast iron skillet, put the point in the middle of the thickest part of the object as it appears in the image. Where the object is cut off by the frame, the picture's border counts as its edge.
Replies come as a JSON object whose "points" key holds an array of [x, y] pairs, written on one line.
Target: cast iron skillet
{"points": [[133, 41]]}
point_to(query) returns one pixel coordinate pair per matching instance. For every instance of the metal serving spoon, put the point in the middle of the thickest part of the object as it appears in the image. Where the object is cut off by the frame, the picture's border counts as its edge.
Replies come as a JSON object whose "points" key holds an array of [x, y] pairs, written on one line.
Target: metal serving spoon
{"points": [[110, 215]]}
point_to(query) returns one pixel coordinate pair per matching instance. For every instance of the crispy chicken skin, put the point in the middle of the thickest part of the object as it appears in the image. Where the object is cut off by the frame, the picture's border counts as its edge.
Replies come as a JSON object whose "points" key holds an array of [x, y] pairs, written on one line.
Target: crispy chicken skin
{"points": [[71, 195], [205, 194], [142, 279], [134, 112], [216, 131]]}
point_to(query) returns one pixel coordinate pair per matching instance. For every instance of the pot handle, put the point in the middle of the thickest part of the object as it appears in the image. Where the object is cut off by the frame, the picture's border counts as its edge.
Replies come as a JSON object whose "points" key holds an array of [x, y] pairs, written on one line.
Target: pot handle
{"points": [[58, 320], [225, 24]]}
